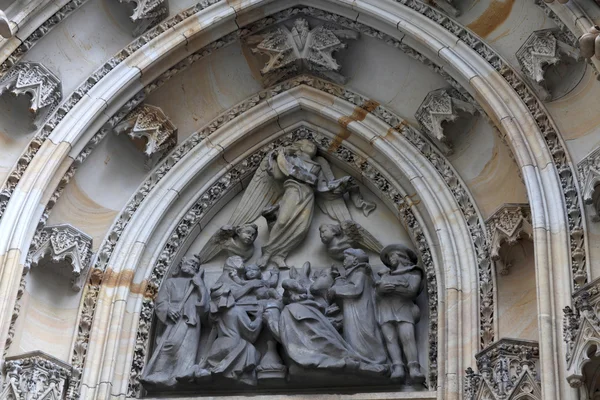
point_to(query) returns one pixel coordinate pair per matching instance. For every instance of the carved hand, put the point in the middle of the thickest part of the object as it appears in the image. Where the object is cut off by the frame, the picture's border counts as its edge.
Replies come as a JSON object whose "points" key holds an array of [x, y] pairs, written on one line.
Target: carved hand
{"points": [[173, 315]]}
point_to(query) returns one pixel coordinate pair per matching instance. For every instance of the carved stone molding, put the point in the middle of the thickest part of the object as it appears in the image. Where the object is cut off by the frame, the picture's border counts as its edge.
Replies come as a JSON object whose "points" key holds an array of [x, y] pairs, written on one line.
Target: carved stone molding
{"points": [[541, 49], [439, 107], [69, 249], [508, 370], [150, 123], [301, 49], [589, 176], [147, 14], [509, 224], [38, 82], [581, 333], [447, 6], [35, 376]]}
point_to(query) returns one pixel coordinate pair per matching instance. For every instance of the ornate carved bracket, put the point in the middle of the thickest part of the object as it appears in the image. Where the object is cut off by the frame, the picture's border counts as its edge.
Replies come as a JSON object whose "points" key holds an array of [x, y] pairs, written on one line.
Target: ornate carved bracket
{"points": [[70, 250], [36, 80], [541, 49], [301, 49], [35, 375], [150, 123], [509, 224], [589, 175], [508, 369], [147, 14], [581, 333], [439, 106]]}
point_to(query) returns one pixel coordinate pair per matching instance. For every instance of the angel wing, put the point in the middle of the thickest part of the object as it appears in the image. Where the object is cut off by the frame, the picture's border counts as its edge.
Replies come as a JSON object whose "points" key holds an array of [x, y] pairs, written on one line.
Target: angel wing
{"points": [[262, 191], [332, 205], [215, 243], [360, 235]]}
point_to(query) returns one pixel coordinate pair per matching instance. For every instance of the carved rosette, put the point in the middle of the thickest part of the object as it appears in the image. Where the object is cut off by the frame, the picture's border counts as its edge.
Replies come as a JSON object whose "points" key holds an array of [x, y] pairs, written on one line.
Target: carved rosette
{"points": [[69, 249], [301, 49], [150, 123], [147, 14], [39, 82], [581, 333], [35, 375], [508, 369], [509, 224], [541, 49], [439, 106]]}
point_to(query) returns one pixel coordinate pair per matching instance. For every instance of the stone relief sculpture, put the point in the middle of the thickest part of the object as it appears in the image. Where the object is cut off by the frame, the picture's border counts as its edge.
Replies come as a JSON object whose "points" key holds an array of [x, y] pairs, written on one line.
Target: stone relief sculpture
{"points": [[316, 326], [397, 313], [180, 305], [286, 185]]}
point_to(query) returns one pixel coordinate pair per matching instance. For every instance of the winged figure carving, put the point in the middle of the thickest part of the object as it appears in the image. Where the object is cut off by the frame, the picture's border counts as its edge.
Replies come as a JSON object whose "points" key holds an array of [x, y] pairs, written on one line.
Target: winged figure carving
{"points": [[284, 189], [345, 235], [235, 240]]}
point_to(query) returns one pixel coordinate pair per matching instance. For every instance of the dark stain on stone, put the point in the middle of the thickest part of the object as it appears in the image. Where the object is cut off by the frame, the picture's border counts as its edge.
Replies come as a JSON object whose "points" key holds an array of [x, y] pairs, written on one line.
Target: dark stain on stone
{"points": [[494, 16]]}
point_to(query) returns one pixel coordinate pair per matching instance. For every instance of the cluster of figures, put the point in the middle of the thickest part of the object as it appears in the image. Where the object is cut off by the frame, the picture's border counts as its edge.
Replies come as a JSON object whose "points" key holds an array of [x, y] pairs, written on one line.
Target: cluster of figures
{"points": [[349, 318]]}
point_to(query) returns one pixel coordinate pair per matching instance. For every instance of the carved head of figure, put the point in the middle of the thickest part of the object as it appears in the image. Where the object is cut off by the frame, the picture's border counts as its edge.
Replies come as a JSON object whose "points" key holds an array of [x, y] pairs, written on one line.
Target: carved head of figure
{"points": [[328, 232], [247, 233], [306, 146], [234, 265], [252, 271], [189, 266], [396, 255], [353, 257], [322, 281]]}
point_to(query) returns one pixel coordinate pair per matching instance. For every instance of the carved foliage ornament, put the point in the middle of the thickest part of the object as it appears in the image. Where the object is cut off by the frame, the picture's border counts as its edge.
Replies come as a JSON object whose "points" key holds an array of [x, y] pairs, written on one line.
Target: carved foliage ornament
{"points": [[541, 49], [35, 376], [301, 49], [508, 370], [150, 123], [38, 82], [442, 106], [63, 243]]}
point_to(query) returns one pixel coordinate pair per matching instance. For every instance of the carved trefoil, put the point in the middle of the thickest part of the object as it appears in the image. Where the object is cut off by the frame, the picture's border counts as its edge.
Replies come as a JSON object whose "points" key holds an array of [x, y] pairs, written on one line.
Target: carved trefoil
{"points": [[300, 49], [150, 125], [147, 14], [581, 332], [440, 107], [541, 49], [589, 176], [35, 375], [68, 249], [509, 224], [508, 370], [39, 83]]}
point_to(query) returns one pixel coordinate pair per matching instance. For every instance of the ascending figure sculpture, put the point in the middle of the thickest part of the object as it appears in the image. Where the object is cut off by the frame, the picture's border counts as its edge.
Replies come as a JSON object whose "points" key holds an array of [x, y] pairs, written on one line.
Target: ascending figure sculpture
{"points": [[354, 290], [181, 303], [235, 240], [284, 188], [345, 235], [398, 287]]}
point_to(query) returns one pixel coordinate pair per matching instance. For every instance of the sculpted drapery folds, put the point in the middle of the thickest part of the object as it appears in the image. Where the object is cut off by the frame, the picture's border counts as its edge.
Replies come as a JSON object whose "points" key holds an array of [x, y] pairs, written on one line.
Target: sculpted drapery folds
{"points": [[180, 305], [348, 319]]}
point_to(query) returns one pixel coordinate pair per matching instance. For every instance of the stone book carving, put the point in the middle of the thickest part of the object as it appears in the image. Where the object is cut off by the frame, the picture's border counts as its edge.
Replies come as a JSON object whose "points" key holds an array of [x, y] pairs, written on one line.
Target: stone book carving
{"points": [[316, 326]]}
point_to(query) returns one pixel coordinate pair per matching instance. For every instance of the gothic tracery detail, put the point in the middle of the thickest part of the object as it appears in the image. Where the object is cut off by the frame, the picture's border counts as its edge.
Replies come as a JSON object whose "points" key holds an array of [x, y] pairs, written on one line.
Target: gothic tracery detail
{"points": [[39, 83], [301, 49]]}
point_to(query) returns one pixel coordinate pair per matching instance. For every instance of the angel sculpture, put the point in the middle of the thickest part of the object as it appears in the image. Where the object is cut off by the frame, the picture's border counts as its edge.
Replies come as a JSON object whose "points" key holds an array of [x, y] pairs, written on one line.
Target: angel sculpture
{"points": [[346, 235], [235, 240], [286, 185]]}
